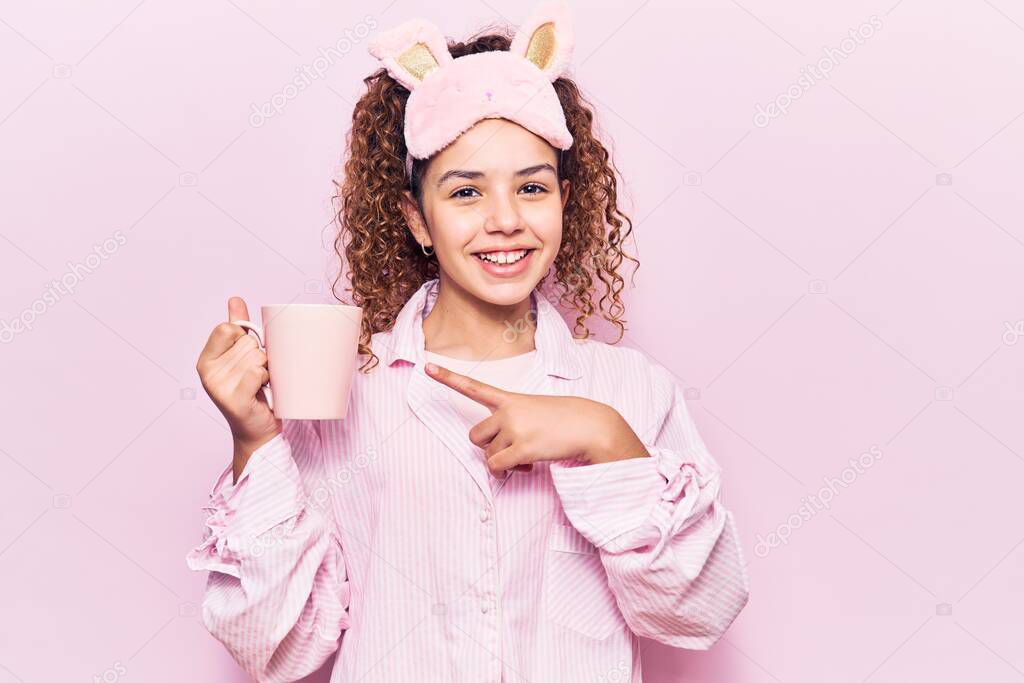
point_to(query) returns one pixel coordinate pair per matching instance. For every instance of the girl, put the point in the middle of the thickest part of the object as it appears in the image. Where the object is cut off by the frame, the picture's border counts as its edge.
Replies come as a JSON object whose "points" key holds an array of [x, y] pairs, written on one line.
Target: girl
{"points": [[528, 507]]}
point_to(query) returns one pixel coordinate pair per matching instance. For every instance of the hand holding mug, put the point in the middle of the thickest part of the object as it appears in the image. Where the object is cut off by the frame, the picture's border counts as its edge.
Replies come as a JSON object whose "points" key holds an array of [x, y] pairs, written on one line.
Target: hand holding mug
{"points": [[233, 368], [306, 352]]}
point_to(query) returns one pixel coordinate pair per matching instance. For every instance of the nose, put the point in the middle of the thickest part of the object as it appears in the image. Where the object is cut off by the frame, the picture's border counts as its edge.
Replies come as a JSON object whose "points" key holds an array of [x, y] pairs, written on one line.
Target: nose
{"points": [[503, 215]]}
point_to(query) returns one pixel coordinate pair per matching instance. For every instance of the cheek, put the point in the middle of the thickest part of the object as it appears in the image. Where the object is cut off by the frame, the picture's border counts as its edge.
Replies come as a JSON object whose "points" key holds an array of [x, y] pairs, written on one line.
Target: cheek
{"points": [[546, 222], [454, 229]]}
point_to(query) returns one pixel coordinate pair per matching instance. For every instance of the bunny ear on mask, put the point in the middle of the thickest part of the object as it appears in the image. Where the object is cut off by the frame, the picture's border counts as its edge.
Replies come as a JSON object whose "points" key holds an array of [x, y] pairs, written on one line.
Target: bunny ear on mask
{"points": [[411, 51], [447, 96], [546, 38]]}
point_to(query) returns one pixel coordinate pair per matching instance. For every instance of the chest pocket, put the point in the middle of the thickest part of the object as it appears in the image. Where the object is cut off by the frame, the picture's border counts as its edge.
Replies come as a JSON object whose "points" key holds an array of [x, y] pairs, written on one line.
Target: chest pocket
{"points": [[575, 590]]}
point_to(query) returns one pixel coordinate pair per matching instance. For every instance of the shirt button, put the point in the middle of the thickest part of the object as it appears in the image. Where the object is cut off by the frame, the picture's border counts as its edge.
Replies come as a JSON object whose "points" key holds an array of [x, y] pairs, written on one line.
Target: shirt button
{"points": [[484, 516], [484, 607]]}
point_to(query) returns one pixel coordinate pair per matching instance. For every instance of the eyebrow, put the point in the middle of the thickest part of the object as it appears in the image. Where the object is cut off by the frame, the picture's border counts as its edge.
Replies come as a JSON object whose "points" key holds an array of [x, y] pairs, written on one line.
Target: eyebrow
{"points": [[472, 175]]}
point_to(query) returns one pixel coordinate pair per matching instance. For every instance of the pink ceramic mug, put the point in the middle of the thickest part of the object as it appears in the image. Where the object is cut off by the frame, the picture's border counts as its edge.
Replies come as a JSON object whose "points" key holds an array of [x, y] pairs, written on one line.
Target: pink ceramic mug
{"points": [[311, 355]]}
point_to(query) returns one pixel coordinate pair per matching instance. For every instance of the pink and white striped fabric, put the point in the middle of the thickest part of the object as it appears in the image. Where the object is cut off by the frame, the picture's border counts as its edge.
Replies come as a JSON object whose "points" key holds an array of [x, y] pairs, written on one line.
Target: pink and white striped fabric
{"points": [[384, 537], [505, 373]]}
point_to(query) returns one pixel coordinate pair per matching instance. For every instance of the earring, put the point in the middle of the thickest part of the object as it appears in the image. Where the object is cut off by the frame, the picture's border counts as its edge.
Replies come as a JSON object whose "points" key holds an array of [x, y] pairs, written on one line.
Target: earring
{"points": [[426, 253]]}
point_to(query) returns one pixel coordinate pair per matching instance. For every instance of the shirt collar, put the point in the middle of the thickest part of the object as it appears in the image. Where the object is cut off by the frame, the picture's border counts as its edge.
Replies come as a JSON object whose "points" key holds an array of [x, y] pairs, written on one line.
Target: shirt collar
{"points": [[558, 351]]}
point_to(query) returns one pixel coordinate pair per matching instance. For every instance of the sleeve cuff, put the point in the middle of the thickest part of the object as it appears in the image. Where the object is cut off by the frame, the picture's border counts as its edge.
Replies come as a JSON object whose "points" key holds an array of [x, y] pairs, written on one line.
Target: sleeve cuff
{"points": [[605, 500], [268, 492]]}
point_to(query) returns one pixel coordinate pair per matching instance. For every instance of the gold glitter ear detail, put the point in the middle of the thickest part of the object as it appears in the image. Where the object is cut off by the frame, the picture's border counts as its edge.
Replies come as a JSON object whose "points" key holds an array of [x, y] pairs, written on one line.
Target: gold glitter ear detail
{"points": [[418, 61], [541, 49]]}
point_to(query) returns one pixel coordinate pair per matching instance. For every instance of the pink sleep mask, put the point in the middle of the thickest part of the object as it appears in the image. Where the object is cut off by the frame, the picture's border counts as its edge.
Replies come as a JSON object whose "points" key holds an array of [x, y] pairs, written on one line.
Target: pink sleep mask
{"points": [[448, 95]]}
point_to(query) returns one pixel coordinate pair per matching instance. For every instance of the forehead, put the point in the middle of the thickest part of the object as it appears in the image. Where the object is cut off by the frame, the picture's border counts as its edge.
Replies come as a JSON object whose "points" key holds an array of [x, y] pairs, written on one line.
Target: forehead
{"points": [[495, 143]]}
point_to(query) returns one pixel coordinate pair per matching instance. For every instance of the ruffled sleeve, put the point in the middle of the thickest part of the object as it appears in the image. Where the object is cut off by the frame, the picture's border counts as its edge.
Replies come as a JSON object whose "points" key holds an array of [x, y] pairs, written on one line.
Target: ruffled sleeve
{"points": [[667, 542], [272, 484], [277, 593]]}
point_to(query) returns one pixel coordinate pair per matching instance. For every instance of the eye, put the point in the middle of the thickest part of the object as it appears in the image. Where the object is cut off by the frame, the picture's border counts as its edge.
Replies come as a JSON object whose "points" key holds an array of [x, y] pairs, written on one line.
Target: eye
{"points": [[457, 194]]}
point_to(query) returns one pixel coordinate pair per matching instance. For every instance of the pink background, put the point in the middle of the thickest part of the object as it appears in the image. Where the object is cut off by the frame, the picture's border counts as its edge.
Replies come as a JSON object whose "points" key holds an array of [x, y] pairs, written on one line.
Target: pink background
{"points": [[846, 277]]}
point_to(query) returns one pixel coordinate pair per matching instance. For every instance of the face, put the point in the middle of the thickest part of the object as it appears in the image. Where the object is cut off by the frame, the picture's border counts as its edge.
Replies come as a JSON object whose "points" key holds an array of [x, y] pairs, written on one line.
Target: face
{"points": [[492, 209]]}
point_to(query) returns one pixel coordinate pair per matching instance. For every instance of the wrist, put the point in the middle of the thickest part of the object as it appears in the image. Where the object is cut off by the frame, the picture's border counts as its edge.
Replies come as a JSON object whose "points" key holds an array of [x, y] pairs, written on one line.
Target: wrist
{"points": [[246, 447], [243, 450], [616, 441]]}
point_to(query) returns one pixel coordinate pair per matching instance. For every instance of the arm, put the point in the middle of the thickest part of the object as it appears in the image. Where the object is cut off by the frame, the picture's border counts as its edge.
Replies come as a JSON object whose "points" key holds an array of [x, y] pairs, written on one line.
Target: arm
{"points": [[668, 544], [277, 592]]}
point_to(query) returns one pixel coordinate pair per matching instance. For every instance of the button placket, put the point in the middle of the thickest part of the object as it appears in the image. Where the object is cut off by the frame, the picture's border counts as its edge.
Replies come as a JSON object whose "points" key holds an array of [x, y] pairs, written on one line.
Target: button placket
{"points": [[489, 601]]}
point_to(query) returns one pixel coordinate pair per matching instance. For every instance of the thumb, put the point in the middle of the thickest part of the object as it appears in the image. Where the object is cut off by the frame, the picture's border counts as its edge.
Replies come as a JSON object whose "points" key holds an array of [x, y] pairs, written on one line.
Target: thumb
{"points": [[237, 310]]}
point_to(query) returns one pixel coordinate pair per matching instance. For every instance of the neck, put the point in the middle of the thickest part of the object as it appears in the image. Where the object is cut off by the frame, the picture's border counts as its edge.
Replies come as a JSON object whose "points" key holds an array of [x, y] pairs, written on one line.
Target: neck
{"points": [[462, 326]]}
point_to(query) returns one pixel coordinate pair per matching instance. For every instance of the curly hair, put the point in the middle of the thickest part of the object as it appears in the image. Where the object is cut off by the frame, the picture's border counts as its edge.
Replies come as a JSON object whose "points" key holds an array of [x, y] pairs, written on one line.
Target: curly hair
{"points": [[386, 264]]}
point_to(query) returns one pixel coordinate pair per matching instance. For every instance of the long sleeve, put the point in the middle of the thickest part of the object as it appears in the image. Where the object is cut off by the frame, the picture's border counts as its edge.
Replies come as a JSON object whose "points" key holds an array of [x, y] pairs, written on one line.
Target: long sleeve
{"points": [[277, 594], [667, 542]]}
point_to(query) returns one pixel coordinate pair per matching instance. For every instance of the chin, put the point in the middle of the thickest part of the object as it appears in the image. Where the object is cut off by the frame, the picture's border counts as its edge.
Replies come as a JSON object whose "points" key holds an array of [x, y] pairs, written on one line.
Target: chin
{"points": [[501, 291], [504, 293]]}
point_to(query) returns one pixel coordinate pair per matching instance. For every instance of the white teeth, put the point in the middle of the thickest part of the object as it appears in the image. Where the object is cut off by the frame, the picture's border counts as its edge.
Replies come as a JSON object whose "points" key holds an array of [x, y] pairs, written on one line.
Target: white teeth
{"points": [[503, 257]]}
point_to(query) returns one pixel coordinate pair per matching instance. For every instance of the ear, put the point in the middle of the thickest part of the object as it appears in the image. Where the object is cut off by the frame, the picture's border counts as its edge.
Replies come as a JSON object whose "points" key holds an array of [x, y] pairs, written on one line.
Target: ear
{"points": [[414, 219], [411, 51], [546, 38]]}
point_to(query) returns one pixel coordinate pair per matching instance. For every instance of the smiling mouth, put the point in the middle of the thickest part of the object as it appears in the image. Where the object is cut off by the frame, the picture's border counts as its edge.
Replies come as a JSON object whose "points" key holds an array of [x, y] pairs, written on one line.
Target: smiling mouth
{"points": [[503, 258]]}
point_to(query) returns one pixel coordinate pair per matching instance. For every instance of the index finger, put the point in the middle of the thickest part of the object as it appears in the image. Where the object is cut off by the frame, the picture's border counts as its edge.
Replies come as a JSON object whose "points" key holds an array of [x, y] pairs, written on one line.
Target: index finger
{"points": [[221, 340], [485, 394]]}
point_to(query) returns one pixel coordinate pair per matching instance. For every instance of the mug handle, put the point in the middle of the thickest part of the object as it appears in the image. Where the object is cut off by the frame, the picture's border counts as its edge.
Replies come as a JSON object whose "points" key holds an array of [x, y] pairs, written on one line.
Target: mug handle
{"points": [[258, 331]]}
